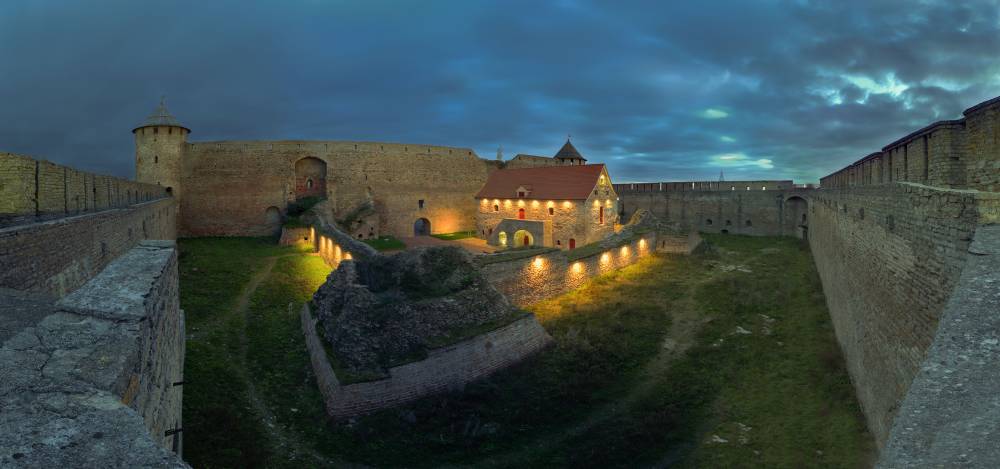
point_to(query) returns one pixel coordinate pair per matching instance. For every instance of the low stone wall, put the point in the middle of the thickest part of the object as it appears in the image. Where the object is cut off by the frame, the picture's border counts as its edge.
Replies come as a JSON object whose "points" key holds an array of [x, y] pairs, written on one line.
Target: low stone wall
{"points": [[445, 368], [298, 235], [58, 256], [890, 257], [532, 279], [90, 382]]}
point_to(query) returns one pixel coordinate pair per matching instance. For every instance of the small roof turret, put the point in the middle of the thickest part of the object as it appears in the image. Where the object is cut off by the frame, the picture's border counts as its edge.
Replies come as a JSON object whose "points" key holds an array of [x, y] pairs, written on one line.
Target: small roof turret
{"points": [[569, 152], [161, 117]]}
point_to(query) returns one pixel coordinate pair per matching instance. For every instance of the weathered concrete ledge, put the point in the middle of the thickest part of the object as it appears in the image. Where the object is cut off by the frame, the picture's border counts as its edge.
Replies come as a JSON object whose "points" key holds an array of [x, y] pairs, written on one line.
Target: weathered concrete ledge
{"points": [[950, 416], [89, 381], [445, 368]]}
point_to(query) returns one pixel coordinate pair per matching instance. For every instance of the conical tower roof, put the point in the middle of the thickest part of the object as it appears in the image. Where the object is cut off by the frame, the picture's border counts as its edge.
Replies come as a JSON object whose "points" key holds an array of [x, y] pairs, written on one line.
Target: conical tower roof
{"points": [[159, 117], [569, 152]]}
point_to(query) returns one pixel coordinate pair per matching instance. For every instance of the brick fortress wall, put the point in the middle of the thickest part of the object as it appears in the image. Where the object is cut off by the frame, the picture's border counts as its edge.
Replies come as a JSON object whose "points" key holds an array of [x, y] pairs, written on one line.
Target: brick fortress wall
{"points": [[229, 186], [767, 208]]}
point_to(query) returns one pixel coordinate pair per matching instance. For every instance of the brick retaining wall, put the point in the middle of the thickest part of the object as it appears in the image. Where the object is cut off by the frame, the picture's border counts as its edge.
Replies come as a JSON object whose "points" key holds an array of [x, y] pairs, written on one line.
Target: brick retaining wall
{"points": [[445, 368]]}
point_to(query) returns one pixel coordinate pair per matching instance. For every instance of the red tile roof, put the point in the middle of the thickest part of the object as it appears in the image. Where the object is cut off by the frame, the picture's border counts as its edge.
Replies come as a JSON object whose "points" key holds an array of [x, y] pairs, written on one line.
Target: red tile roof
{"points": [[571, 182]]}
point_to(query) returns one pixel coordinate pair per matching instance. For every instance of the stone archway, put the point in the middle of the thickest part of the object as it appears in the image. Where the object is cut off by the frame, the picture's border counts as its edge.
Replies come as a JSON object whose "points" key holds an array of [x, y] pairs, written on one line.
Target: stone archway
{"points": [[522, 238], [796, 217], [422, 227], [272, 220], [310, 177]]}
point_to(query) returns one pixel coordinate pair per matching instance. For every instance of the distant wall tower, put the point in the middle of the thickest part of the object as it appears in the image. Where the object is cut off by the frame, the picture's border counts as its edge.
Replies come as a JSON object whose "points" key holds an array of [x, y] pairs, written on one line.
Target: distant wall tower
{"points": [[159, 148]]}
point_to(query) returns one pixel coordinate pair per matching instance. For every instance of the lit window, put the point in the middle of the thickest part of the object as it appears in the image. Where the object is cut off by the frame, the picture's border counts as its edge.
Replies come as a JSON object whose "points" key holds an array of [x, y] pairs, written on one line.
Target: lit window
{"points": [[520, 214]]}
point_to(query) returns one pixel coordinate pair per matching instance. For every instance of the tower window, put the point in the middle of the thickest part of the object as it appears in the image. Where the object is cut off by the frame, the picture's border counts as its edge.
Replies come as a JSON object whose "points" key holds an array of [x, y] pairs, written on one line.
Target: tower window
{"points": [[420, 203], [309, 183], [156, 130], [156, 159]]}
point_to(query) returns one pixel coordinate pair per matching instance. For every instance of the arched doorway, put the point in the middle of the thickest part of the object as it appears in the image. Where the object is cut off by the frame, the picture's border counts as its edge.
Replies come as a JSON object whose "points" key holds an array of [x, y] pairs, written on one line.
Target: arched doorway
{"points": [[422, 227], [523, 238], [272, 220], [796, 217], [310, 178]]}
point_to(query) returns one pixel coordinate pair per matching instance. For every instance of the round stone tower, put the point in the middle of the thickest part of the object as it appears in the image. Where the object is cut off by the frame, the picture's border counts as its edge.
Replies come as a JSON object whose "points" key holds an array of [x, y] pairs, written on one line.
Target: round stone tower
{"points": [[159, 149]]}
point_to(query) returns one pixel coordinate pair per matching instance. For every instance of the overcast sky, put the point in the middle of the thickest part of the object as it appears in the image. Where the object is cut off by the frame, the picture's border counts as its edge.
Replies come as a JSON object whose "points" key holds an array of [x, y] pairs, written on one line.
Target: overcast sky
{"points": [[658, 90]]}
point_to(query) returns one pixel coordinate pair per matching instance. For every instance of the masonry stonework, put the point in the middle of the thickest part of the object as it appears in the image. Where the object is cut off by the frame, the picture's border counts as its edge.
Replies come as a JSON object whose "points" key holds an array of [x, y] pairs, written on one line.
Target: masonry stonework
{"points": [[57, 256], [90, 380]]}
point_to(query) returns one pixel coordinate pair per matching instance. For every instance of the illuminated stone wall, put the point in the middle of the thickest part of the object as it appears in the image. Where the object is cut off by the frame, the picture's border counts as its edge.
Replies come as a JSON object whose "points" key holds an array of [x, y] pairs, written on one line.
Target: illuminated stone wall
{"points": [[532, 279], [229, 186]]}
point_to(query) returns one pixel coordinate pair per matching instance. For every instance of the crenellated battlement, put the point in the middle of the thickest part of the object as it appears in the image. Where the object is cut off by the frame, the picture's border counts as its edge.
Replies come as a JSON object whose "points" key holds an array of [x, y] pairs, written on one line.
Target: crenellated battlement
{"points": [[962, 153]]}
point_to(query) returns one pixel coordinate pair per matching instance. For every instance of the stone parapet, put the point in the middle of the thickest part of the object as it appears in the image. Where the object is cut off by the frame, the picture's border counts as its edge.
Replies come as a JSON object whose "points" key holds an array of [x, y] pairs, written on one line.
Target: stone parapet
{"points": [[91, 383]]}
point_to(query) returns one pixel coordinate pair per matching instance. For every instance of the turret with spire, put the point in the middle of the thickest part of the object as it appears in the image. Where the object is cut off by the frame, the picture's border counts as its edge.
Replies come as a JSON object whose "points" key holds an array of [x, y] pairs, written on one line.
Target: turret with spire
{"points": [[569, 155], [159, 149]]}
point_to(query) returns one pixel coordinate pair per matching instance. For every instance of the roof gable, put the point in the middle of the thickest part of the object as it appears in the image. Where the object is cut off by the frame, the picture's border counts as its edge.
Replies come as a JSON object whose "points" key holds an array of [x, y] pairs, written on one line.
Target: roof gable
{"points": [[546, 182]]}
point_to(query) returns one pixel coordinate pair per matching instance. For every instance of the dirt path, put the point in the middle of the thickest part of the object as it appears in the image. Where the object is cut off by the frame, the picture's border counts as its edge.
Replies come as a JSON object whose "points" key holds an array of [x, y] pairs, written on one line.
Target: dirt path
{"points": [[284, 439], [685, 322]]}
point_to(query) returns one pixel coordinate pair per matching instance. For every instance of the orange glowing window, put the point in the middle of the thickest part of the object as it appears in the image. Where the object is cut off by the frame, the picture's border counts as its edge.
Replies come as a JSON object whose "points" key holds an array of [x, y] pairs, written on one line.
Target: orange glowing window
{"points": [[600, 215], [572, 243], [520, 214]]}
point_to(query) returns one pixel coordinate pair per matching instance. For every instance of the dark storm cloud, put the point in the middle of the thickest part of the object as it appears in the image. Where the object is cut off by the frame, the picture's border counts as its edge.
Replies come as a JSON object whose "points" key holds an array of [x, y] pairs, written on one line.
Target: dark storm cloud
{"points": [[658, 90]]}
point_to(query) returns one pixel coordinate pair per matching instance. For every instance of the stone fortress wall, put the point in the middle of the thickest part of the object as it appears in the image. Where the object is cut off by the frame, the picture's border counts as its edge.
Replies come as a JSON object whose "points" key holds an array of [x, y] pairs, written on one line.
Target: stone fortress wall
{"points": [[234, 188], [894, 237], [757, 208], [32, 190], [91, 335]]}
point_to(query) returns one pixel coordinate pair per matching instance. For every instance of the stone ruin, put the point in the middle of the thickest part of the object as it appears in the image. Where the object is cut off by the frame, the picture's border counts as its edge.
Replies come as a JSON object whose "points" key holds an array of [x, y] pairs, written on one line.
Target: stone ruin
{"points": [[380, 311]]}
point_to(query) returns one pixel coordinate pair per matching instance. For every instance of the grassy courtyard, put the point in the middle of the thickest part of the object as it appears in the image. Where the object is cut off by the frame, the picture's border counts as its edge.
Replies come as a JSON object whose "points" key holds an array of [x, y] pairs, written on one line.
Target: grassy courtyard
{"points": [[719, 360]]}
